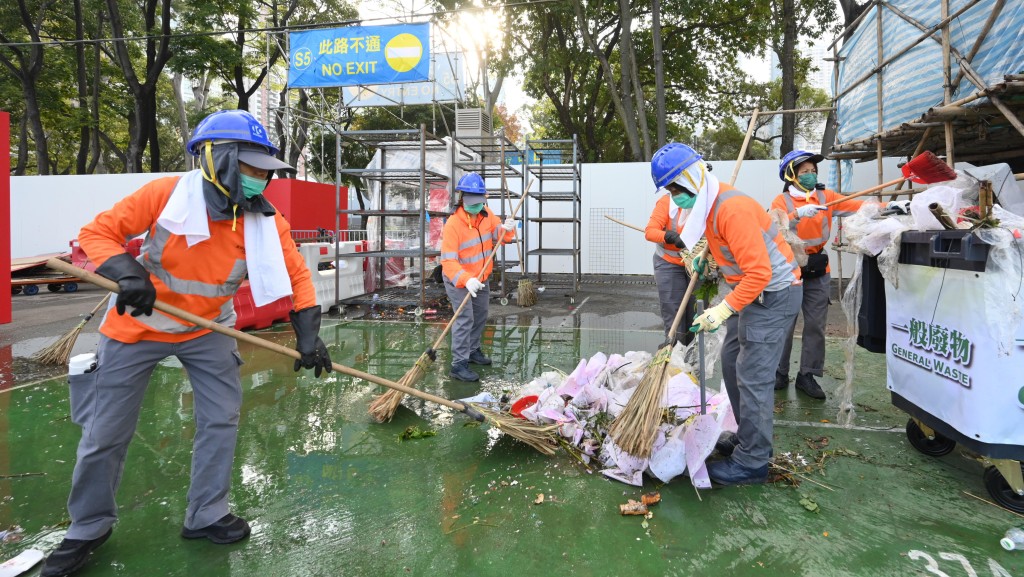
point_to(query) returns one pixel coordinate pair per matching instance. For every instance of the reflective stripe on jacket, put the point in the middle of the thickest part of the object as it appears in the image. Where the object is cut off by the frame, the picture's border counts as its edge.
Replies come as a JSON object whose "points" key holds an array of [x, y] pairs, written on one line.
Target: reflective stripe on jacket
{"points": [[202, 279], [816, 230], [660, 223], [466, 240], [751, 255]]}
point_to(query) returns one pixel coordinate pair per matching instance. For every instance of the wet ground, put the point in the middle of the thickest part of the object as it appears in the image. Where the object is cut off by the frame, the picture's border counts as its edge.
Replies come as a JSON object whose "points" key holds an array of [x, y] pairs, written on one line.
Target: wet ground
{"points": [[329, 492]]}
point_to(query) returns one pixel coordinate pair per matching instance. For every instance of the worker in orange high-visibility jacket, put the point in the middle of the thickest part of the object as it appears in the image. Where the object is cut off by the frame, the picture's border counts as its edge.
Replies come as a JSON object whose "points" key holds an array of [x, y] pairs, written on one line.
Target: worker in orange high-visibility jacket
{"points": [[759, 265], [206, 231], [467, 239], [670, 274], [805, 198]]}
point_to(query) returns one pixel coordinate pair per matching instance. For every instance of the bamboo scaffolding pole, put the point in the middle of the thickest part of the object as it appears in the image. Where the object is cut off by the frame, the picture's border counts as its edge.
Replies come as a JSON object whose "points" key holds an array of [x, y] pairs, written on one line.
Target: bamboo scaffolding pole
{"points": [[907, 48], [969, 71], [792, 111], [947, 89], [981, 38], [853, 25], [878, 93]]}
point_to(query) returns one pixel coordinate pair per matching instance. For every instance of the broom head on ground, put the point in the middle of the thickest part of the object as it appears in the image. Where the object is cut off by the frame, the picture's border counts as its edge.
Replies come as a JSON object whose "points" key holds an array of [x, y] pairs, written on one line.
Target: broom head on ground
{"points": [[383, 407], [59, 352]]}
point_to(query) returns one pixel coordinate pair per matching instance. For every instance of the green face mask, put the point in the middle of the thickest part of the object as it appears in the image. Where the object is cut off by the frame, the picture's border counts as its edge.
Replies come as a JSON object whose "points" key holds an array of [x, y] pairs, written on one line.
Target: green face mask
{"points": [[684, 200], [252, 186], [807, 180], [473, 208]]}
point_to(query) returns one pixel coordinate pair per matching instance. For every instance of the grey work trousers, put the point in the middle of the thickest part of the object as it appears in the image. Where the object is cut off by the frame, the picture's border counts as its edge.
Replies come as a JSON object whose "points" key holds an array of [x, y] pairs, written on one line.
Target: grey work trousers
{"points": [[815, 311], [106, 404], [672, 281], [753, 345], [469, 326]]}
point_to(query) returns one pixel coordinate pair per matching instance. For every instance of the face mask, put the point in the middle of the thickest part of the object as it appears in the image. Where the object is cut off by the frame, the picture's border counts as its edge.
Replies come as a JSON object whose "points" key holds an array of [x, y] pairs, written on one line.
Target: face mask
{"points": [[252, 186], [473, 208], [684, 200], [807, 180]]}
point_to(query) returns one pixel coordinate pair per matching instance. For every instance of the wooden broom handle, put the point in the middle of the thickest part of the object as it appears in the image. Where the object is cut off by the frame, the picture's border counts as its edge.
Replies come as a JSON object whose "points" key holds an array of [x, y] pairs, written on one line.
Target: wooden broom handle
{"points": [[875, 188], [197, 320]]}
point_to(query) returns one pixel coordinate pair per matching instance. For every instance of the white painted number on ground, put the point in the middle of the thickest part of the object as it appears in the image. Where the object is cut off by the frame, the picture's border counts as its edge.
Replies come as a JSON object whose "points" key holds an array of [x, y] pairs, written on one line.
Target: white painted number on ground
{"points": [[932, 566]]}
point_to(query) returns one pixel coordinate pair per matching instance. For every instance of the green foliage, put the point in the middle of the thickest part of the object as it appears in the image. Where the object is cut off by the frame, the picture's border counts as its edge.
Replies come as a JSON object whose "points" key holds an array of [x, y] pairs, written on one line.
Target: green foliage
{"points": [[413, 432]]}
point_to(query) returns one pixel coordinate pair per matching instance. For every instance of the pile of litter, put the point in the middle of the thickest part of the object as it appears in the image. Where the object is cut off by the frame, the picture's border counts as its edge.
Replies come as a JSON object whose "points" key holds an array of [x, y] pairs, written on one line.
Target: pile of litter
{"points": [[585, 402]]}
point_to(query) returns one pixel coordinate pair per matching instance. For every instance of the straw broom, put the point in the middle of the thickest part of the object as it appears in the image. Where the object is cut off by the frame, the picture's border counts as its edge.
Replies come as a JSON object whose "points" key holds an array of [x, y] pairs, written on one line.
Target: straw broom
{"points": [[636, 427], [383, 407], [59, 352], [540, 437]]}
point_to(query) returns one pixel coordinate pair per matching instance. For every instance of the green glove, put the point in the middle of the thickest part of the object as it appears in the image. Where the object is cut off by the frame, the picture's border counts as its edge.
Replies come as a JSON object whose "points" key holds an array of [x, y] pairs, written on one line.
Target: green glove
{"points": [[699, 266]]}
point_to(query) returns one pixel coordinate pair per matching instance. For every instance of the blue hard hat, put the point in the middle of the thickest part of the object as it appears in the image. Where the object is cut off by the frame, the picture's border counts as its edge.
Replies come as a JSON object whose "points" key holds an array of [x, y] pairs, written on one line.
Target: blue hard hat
{"points": [[671, 160], [471, 183], [795, 159], [236, 125]]}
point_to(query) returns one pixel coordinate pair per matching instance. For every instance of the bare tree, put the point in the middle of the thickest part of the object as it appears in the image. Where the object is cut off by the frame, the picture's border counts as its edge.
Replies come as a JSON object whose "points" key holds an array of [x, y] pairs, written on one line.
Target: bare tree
{"points": [[142, 123]]}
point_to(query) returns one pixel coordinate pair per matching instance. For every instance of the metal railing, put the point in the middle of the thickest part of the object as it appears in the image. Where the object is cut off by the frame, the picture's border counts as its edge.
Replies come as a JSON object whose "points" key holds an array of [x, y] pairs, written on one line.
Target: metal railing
{"points": [[324, 235]]}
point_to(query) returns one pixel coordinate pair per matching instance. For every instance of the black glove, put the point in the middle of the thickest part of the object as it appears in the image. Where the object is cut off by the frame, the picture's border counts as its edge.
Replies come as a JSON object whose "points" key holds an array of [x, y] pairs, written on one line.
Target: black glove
{"points": [[672, 237], [134, 287], [306, 324]]}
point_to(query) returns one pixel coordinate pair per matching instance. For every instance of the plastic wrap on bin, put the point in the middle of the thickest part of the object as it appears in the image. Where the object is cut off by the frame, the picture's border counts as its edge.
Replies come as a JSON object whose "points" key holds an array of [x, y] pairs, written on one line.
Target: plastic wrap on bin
{"points": [[1003, 276]]}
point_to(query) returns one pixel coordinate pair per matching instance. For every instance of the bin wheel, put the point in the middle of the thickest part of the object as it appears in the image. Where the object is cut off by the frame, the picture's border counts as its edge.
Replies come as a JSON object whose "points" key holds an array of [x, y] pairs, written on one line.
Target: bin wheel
{"points": [[936, 447], [15, 290], [53, 287], [31, 289], [1001, 492], [503, 301], [70, 287]]}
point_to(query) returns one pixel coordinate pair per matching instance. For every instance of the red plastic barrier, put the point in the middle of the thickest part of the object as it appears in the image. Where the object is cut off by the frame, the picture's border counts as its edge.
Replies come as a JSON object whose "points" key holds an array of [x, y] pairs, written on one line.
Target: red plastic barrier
{"points": [[5, 218], [252, 317], [79, 259]]}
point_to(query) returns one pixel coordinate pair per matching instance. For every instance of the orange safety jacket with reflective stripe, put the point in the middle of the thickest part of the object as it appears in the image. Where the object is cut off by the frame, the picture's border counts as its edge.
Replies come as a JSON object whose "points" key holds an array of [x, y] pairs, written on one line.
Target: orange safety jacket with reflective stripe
{"points": [[202, 279], [815, 231], [660, 223], [751, 254], [466, 240]]}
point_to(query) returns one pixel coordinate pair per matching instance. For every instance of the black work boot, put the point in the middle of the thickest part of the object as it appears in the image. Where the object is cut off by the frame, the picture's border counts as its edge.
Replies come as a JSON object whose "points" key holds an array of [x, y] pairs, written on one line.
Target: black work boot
{"points": [[477, 357], [227, 530], [71, 555], [781, 381], [806, 383], [461, 372]]}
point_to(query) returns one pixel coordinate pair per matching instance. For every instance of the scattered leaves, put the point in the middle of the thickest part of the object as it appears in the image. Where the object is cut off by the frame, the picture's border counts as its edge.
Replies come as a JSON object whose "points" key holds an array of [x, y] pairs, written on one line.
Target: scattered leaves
{"points": [[809, 504], [414, 432], [818, 443]]}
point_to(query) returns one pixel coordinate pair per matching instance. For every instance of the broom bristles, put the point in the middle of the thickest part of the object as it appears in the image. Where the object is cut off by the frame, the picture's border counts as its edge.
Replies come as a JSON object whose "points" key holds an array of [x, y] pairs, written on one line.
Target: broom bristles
{"points": [[384, 406], [59, 352], [527, 295], [541, 437], [636, 427], [928, 168]]}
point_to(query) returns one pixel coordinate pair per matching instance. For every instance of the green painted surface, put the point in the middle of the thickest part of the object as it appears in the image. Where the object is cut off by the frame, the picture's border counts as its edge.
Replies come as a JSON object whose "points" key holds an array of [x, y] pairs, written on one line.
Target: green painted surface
{"points": [[329, 492]]}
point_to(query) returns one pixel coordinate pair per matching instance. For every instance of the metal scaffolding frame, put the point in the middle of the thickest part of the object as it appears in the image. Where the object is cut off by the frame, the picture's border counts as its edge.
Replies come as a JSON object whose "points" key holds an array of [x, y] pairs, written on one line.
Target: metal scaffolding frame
{"points": [[391, 140], [549, 161]]}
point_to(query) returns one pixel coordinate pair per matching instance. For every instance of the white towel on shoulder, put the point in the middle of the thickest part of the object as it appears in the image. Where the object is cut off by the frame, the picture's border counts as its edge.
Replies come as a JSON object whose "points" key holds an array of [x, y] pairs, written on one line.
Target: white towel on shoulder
{"points": [[185, 215]]}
